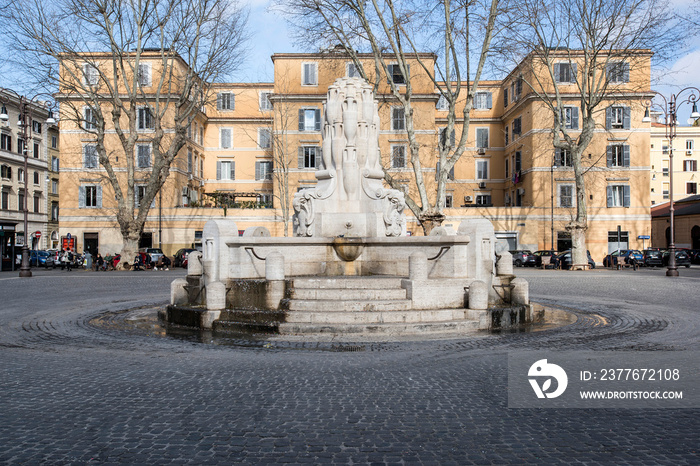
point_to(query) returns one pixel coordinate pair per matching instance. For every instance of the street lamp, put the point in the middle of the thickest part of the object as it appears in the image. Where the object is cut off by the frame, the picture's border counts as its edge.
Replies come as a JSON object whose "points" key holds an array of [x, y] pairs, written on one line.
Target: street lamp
{"points": [[554, 165], [670, 111], [25, 118]]}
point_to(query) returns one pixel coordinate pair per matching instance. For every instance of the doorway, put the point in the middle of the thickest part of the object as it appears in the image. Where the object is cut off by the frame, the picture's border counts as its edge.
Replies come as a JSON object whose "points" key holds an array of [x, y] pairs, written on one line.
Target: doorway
{"points": [[695, 237], [91, 243], [146, 240]]}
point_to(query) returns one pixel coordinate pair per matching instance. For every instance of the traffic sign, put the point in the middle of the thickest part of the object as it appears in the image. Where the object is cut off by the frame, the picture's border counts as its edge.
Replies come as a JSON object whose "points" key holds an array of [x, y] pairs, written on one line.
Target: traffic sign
{"points": [[37, 234]]}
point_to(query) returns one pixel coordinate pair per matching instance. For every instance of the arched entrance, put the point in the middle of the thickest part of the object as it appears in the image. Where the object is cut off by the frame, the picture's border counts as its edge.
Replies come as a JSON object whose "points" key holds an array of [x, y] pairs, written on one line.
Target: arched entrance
{"points": [[695, 237]]}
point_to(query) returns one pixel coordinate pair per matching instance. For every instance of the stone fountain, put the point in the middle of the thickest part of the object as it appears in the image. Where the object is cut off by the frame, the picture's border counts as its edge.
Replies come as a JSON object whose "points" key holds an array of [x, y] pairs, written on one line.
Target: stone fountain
{"points": [[350, 268]]}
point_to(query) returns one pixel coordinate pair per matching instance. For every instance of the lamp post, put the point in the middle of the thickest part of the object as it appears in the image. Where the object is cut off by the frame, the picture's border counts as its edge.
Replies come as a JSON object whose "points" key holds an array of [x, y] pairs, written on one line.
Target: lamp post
{"points": [[670, 111], [554, 165], [23, 124]]}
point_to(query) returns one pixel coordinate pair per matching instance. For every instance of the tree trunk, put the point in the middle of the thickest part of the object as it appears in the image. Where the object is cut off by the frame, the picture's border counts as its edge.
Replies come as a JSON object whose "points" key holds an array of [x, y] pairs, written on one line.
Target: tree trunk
{"points": [[130, 247], [579, 255]]}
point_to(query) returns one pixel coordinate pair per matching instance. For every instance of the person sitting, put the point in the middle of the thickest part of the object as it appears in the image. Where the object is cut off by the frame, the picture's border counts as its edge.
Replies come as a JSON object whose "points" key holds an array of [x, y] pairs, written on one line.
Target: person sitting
{"points": [[138, 263]]}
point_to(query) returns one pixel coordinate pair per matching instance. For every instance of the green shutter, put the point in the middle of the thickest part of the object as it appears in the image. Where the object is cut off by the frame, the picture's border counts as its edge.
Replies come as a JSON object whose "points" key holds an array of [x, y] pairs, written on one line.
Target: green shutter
{"points": [[609, 151], [626, 200], [626, 155], [610, 196]]}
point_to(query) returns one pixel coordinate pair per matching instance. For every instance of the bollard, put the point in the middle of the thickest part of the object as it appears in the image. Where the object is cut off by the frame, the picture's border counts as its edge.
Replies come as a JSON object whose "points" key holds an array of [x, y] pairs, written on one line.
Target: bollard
{"points": [[478, 295], [504, 266], [418, 266], [520, 293], [178, 293], [215, 296], [194, 263], [274, 266]]}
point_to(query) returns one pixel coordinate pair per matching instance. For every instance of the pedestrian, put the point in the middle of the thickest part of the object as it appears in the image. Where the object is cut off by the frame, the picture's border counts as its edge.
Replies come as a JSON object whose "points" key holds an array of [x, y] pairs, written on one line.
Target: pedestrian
{"points": [[60, 259], [67, 260], [99, 262]]}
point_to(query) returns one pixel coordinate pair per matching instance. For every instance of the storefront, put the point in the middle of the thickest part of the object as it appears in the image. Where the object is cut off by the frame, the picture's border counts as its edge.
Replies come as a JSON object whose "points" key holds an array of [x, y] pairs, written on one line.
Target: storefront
{"points": [[8, 249]]}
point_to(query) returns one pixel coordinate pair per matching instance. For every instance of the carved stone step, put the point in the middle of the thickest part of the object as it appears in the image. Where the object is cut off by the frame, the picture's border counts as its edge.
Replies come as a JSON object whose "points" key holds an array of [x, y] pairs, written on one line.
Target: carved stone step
{"points": [[347, 294], [331, 306], [389, 329], [377, 317], [373, 282]]}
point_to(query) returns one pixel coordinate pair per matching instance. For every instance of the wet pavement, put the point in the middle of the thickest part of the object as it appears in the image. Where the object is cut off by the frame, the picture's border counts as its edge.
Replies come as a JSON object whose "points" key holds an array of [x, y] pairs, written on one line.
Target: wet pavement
{"points": [[88, 376]]}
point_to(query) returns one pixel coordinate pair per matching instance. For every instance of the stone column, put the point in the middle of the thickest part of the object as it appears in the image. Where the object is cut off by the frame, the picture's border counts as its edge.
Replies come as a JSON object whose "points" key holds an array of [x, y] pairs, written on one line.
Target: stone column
{"points": [[520, 293], [418, 266], [274, 275], [504, 266], [478, 295]]}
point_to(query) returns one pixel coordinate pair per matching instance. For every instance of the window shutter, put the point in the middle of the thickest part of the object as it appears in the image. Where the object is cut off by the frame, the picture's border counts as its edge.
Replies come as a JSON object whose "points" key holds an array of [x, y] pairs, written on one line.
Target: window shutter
{"points": [[233, 170], [489, 101], [505, 98], [232, 101], [557, 157], [99, 195], [219, 98], [258, 175], [557, 72], [626, 118], [609, 150], [574, 117], [610, 196], [317, 119], [626, 196], [626, 155], [301, 119], [301, 157], [318, 158], [452, 138], [225, 138], [218, 170], [81, 196], [625, 72], [574, 67], [608, 118]]}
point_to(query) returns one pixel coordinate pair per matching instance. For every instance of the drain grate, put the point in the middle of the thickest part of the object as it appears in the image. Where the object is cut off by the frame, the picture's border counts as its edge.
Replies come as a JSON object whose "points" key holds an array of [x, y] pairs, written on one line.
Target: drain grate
{"points": [[347, 348]]}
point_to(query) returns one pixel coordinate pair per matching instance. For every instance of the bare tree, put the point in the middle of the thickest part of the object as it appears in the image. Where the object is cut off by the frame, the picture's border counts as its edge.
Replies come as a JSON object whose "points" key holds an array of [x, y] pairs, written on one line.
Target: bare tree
{"points": [[582, 53], [396, 34], [137, 69]]}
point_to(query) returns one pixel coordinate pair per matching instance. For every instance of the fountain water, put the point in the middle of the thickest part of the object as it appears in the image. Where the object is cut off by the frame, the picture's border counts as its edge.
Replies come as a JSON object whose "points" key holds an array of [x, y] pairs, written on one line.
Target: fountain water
{"points": [[350, 266]]}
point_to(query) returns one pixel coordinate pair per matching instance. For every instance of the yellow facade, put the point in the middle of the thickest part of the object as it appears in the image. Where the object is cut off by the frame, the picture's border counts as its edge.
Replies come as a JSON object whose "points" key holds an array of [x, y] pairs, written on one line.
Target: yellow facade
{"points": [[506, 177]]}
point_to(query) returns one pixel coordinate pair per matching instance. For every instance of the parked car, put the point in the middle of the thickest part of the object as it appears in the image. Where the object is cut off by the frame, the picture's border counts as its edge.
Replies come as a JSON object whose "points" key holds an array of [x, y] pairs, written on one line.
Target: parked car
{"points": [[694, 256], [682, 258], [155, 253], [623, 256], [180, 258], [563, 260], [652, 258], [41, 259], [523, 258], [543, 256]]}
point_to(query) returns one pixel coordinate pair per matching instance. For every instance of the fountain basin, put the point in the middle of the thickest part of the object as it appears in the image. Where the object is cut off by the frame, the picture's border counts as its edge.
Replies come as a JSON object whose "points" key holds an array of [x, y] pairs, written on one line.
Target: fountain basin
{"points": [[348, 249]]}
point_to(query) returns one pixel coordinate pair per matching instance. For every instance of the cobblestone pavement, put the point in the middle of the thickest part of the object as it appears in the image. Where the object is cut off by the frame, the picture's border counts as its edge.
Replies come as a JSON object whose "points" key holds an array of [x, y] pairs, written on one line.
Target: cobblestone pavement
{"points": [[80, 385]]}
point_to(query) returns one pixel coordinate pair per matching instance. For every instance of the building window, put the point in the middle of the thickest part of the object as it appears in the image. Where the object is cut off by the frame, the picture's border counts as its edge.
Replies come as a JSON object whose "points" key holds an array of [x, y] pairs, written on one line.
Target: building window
{"points": [[90, 196], [518, 197], [139, 194], [691, 188], [482, 138], [6, 171], [618, 195], [20, 146], [444, 142], [617, 117], [483, 101], [264, 100], [566, 195], [398, 118], [226, 170], [143, 156], [664, 168], [690, 165], [54, 186], [664, 147], [689, 146], [618, 72], [569, 117], [615, 243], [6, 142], [264, 138], [482, 169], [90, 74], [20, 175], [225, 101], [398, 156], [506, 137], [518, 162], [483, 199], [225, 138], [89, 156], [449, 200], [505, 97], [565, 72], [450, 174], [5, 200], [563, 158], [36, 177], [54, 141], [263, 171], [309, 119], [20, 200], [506, 166], [37, 204], [144, 119], [664, 191], [618, 155], [516, 88], [265, 201], [442, 104], [144, 74], [309, 157], [516, 126], [395, 74], [351, 71], [189, 161], [309, 74], [36, 126], [54, 212], [54, 164], [37, 152]]}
